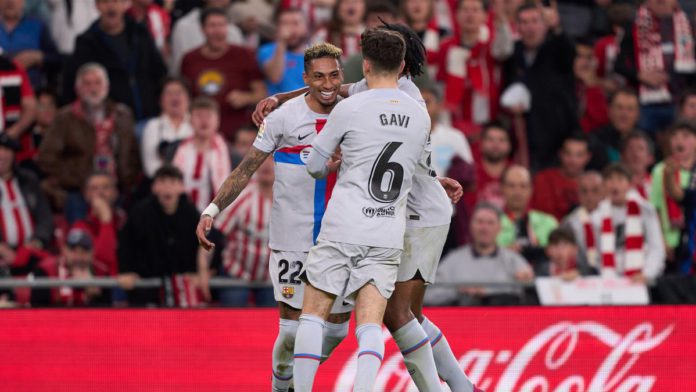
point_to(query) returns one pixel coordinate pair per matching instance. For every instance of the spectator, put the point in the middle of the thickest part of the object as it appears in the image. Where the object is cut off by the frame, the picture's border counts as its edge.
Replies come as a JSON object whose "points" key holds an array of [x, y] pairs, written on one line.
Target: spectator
{"points": [[156, 242], [92, 133], [687, 106], [76, 261], [556, 189], [683, 156], [163, 134], [485, 261], [125, 49], [592, 102], [243, 141], [157, 21], [25, 215], [47, 108], [27, 41], [345, 27], [317, 13], [102, 220], [543, 60], [624, 112], [246, 254], [376, 14], [469, 65], [637, 156], [227, 73], [664, 63], [629, 240], [447, 143], [18, 104], [606, 49], [590, 193], [495, 159], [562, 252], [420, 16], [255, 20], [70, 19], [188, 33], [523, 229], [203, 158], [282, 61]]}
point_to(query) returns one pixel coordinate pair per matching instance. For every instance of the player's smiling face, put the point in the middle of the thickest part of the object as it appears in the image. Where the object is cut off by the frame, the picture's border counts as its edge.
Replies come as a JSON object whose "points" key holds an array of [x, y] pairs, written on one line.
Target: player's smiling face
{"points": [[324, 78]]}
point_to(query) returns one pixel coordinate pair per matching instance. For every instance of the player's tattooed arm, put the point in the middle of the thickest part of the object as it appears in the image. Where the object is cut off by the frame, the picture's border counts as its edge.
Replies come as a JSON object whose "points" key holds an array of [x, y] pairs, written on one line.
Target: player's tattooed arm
{"points": [[239, 178]]}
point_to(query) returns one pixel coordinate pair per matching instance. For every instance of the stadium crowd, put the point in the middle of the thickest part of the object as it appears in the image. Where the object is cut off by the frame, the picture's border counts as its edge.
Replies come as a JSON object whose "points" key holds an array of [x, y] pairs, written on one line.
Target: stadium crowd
{"points": [[571, 126]]}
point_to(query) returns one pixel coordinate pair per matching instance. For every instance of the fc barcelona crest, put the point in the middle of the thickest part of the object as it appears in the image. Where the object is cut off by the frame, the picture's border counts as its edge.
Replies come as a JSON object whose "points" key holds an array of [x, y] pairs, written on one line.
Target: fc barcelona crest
{"points": [[288, 292]]}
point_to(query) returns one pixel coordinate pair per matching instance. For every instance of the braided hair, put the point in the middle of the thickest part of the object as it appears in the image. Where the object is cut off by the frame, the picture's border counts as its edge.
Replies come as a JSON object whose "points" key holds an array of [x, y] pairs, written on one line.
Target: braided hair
{"points": [[415, 50]]}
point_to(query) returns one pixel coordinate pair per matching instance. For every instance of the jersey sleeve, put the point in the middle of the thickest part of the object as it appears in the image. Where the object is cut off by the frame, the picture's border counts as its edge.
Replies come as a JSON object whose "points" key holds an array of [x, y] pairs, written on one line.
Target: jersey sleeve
{"points": [[270, 133], [336, 126], [357, 87]]}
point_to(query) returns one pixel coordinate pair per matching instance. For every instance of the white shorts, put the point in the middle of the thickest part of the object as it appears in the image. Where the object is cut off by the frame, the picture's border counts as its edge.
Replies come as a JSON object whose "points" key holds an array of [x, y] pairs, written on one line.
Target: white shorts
{"points": [[343, 269], [422, 251], [285, 268]]}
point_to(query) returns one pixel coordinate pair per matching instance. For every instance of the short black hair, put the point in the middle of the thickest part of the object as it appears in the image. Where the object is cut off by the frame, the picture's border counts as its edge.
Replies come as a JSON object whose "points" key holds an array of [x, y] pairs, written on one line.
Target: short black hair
{"points": [[623, 91], [48, 91], [682, 126], [280, 11], [415, 57], [616, 169], [486, 205], [208, 12], [562, 235], [691, 92], [577, 137], [176, 80], [637, 135], [384, 49], [491, 125], [529, 5], [168, 172]]}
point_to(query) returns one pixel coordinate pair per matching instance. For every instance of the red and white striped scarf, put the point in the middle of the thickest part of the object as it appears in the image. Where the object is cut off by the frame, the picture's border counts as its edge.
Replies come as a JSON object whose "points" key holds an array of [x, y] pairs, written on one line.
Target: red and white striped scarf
{"points": [[589, 234], [245, 225], [471, 80], [650, 57], [204, 172], [633, 232], [16, 223]]}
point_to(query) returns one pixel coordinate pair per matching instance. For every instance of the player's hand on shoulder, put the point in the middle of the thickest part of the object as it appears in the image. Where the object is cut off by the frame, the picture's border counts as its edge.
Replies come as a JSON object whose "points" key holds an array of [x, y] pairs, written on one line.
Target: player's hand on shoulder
{"points": [[204, 226], [263, 109], [453, 188]]}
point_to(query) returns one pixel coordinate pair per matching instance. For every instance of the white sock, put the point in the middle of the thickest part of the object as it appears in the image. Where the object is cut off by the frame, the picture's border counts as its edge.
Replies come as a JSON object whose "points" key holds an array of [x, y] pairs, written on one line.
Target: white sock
{"points": [[418, 356], [308, 342], [370, 355], [333, 336], [283, 355], [445, 361]]}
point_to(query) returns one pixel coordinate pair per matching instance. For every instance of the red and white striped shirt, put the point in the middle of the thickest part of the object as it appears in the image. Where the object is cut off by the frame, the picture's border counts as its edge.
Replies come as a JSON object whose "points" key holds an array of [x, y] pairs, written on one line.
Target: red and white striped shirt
{"points": [[15, 219], [245, 225]]}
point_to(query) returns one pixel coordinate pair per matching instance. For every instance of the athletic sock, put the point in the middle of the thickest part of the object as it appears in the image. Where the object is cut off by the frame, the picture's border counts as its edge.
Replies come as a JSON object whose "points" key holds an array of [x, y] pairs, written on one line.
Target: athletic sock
{"points": [[333, 336], [283, 355], [445, 361], [418, 356], [370, 355], [308, 342]]}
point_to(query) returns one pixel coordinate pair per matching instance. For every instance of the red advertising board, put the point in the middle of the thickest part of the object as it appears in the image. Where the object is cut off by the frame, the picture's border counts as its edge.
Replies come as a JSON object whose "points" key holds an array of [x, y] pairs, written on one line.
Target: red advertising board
{"points": [[622, 349]]}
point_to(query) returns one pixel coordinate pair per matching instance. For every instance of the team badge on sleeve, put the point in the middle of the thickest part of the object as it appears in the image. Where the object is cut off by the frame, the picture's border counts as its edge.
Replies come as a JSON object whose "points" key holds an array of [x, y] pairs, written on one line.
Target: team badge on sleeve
{"points": [[288, 292], [262, 129]]}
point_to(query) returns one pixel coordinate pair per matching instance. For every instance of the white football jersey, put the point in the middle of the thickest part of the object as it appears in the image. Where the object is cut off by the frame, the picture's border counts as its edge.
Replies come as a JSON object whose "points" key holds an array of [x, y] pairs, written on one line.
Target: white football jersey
{"points": [[382, 134], [299, 201], [428, 203]]}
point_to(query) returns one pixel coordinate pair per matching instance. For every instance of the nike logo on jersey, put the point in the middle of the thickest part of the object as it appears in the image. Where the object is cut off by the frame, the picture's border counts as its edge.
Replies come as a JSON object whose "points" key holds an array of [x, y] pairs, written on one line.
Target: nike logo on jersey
{"points": [[302, 137]]}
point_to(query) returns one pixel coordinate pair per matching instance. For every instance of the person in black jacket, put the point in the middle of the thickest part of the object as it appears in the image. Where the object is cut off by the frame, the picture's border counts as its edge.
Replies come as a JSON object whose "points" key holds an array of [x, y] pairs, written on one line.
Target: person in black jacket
{"points": [[126, 50], [157, 242], [543, 61]]}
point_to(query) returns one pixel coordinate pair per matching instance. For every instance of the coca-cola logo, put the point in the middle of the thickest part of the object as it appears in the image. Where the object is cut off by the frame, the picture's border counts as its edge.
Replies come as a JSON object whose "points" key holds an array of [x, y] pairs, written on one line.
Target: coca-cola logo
{"points": [[582, 356]]}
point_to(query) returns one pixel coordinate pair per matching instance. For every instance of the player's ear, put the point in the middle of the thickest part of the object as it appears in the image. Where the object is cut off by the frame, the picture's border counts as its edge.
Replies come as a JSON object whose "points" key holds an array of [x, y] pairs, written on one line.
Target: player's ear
{"points": [[305, 78], [401, 67], [366, 67]]}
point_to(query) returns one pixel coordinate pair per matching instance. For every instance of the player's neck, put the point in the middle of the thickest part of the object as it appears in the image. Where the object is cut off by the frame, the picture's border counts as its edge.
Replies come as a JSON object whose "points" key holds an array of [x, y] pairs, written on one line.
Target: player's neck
{"points": [[317, 107], [382, 81]]}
